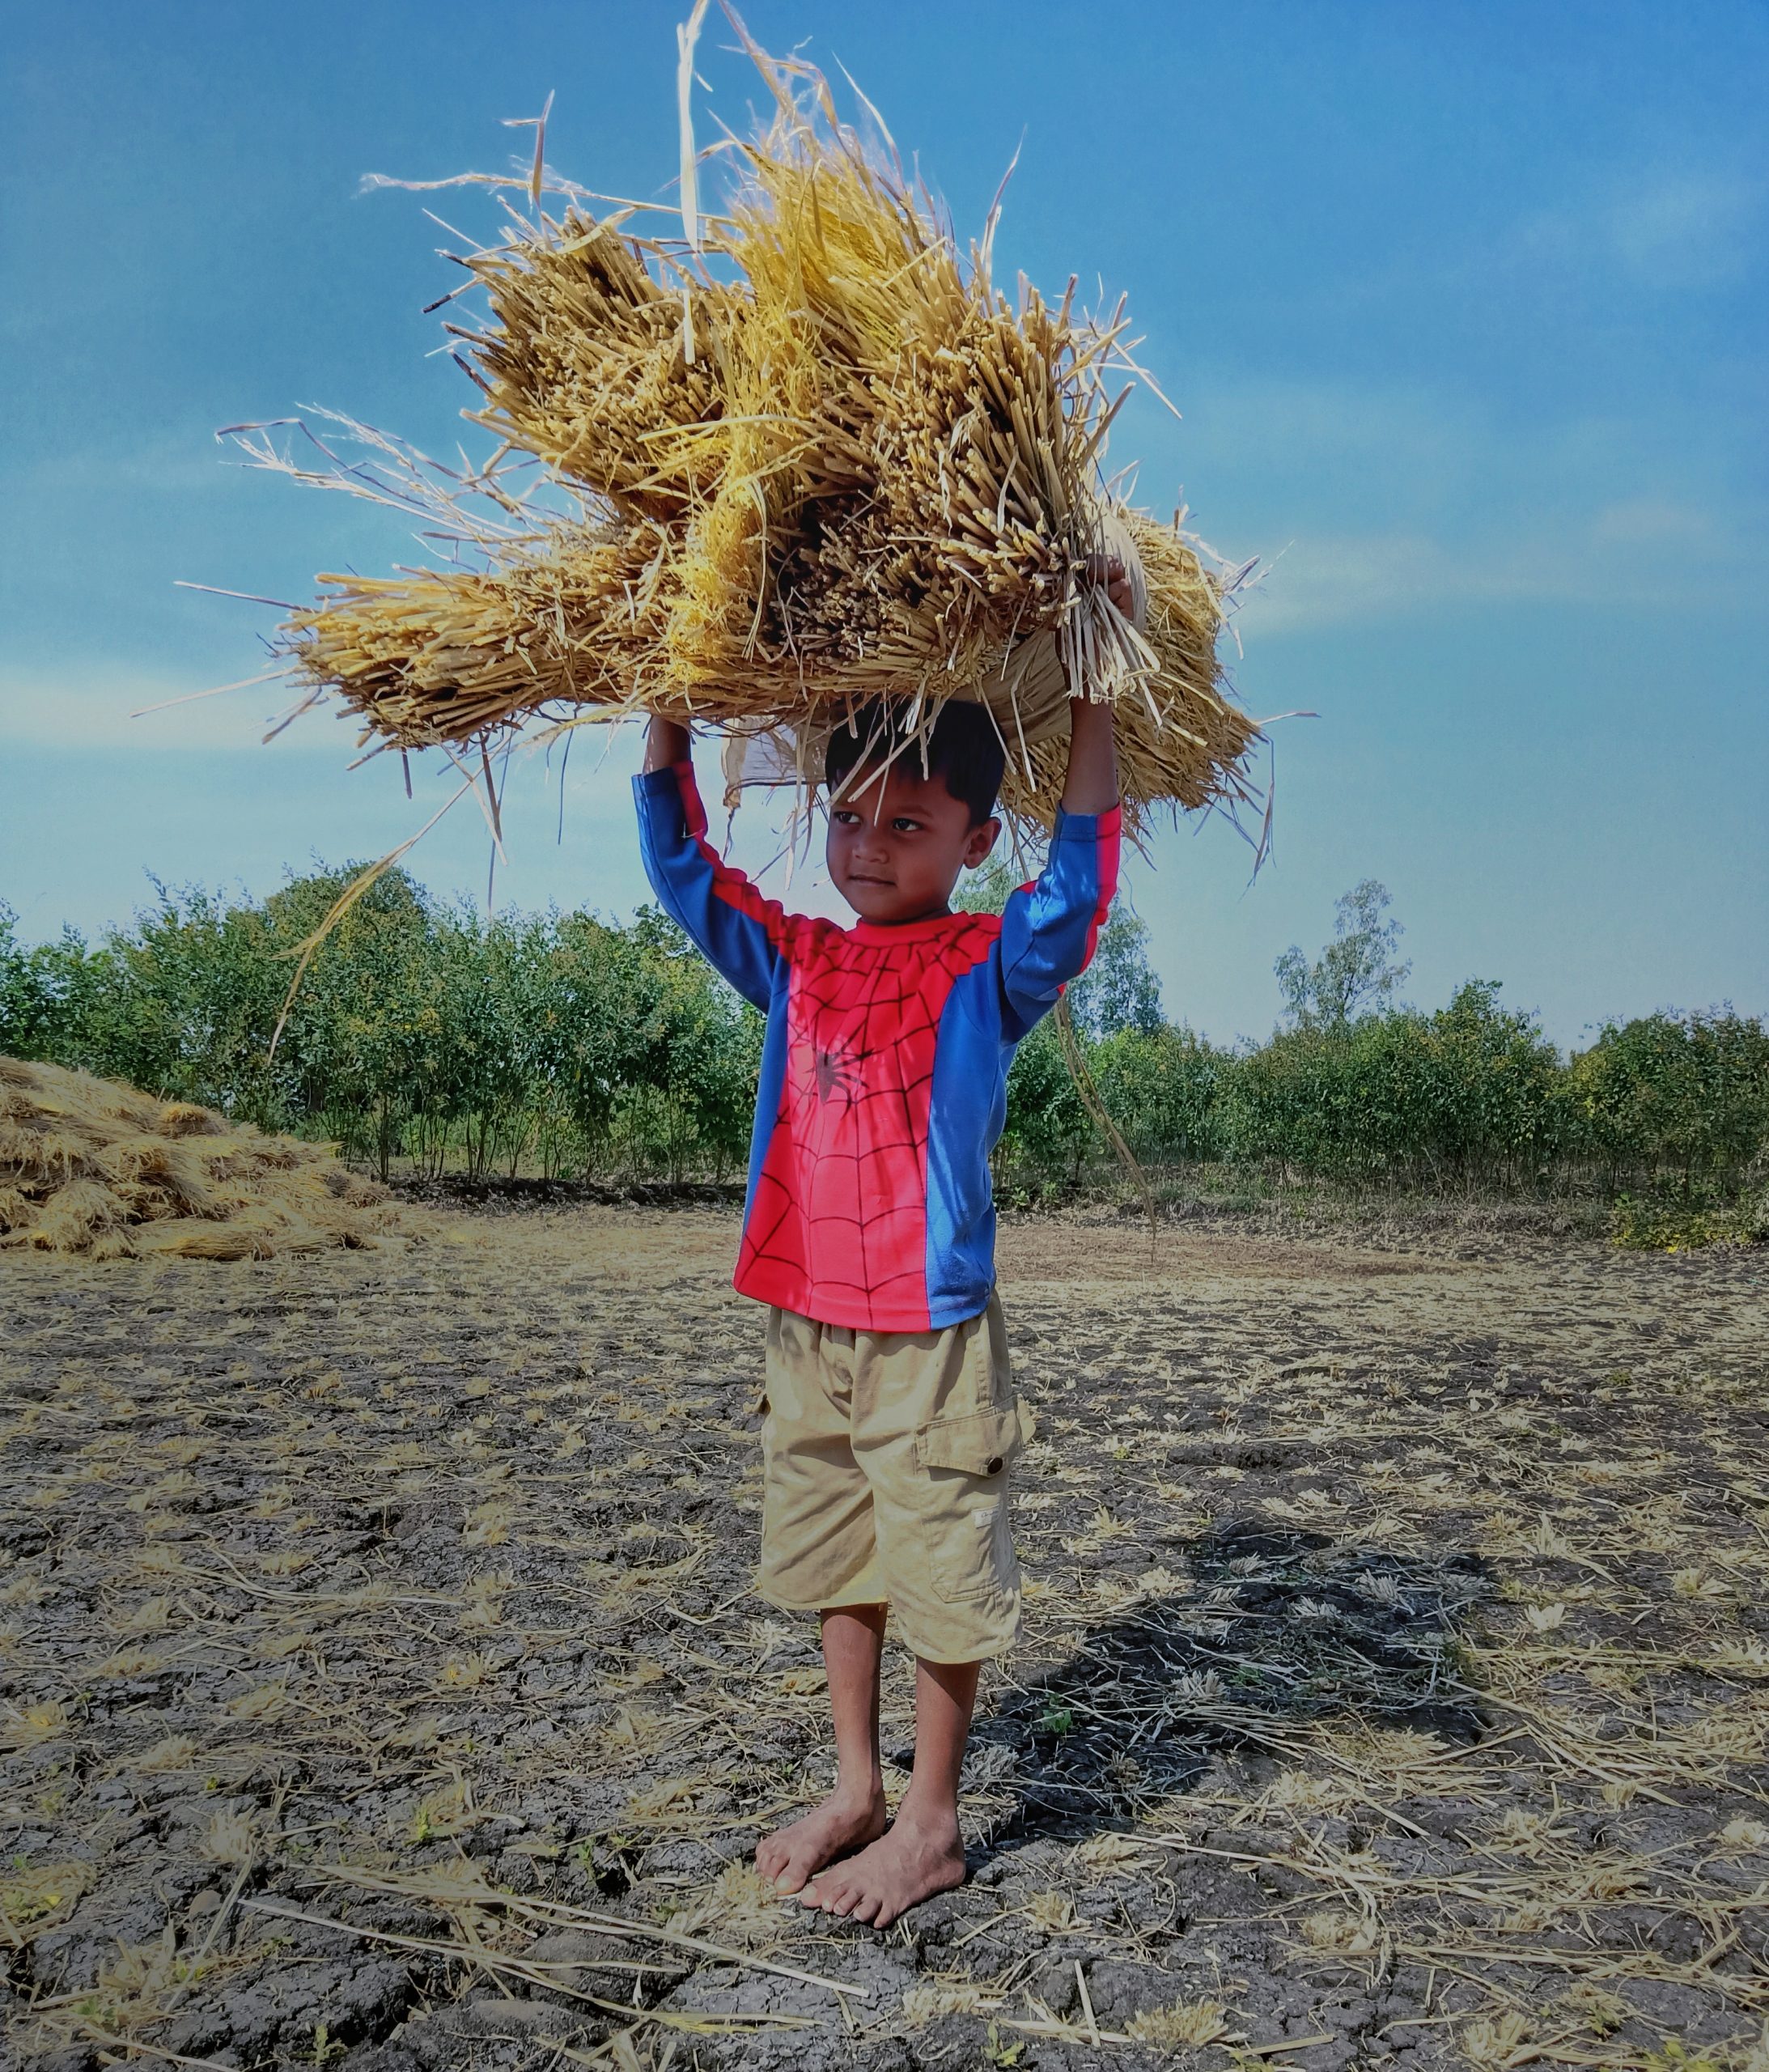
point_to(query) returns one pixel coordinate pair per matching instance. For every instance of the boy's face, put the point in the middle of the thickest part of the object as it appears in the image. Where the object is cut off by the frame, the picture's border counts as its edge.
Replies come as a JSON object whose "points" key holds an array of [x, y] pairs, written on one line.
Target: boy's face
{"points": [[897, 844]]}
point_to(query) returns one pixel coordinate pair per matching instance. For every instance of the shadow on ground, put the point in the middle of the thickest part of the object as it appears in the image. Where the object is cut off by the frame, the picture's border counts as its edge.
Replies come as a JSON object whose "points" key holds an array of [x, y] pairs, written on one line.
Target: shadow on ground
{"points": [[1279, 1627]]}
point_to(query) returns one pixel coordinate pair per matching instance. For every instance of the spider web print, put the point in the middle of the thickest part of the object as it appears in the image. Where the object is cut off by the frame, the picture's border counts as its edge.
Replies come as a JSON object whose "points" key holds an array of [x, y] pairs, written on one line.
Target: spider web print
{"points": [[839, 1220]]}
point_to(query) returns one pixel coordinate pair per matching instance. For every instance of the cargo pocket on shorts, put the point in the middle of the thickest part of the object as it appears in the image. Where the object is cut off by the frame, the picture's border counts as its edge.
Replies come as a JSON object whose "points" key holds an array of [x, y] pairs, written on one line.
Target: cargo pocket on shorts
{"points": [[961, 1469]]}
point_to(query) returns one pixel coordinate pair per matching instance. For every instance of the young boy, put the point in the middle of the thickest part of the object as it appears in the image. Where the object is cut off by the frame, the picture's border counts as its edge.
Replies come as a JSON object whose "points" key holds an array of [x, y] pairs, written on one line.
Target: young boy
{"points": [[869, 1230]]}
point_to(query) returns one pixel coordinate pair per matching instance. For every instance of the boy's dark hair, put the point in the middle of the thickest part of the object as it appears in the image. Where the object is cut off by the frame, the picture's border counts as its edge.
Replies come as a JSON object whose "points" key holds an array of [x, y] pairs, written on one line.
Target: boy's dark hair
{"points": [[962, 746]]}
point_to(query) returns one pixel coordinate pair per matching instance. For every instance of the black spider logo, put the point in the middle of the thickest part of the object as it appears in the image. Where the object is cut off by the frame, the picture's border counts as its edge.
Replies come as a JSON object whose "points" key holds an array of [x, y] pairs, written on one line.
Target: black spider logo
{"points": [[837, 1072]]}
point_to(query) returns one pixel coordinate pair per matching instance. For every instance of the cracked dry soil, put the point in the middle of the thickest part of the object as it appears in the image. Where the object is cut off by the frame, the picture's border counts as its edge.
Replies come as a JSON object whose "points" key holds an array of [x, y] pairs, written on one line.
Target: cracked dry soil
{"points": [[383, 1689]]}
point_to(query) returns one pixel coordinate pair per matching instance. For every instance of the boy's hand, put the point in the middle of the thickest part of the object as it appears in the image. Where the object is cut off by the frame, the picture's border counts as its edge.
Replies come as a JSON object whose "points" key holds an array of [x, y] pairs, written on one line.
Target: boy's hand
{"points": [[1108, 569], [1092, 785], [666, 743]]}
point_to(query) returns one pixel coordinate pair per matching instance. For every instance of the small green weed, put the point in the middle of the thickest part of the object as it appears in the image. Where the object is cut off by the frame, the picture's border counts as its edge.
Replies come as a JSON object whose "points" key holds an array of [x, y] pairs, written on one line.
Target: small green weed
{"points": [[1674, 2057], [1664, 1226]]}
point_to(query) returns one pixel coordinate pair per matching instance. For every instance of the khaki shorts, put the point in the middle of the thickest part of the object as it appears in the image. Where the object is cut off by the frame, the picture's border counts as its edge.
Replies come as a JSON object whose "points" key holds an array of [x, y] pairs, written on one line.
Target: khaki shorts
{"points": [[887, 1460]]}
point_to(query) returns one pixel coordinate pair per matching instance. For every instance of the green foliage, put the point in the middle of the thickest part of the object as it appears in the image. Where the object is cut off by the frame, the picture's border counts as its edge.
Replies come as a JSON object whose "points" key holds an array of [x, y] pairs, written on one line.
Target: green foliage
{"points": [[45, 991], [561, 1043], [1047, 1135], [1688, 1093], [1355, 973], [421, 1031], [1681, 1226], [1165, 1087], [1119, 993], [1460, 1097], [986, 889], [1674, 2056]]}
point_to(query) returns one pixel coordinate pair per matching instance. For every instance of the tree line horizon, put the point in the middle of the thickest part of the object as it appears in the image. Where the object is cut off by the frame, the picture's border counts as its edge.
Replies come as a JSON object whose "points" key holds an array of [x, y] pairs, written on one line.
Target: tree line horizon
{"points": [[429, 1035]]}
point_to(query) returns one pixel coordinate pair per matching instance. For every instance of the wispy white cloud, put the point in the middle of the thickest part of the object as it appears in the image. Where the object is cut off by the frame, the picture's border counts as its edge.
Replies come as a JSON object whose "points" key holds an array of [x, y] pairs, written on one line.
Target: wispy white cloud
{"points": [[1668, 228], [73, 708], [181, 460], [1623, 557], [1686, 223], [1370, 502]]}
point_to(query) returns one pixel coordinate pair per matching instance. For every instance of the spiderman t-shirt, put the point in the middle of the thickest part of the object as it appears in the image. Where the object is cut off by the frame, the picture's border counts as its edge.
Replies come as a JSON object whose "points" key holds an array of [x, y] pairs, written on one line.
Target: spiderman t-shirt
{"points": [[884, 1067]]}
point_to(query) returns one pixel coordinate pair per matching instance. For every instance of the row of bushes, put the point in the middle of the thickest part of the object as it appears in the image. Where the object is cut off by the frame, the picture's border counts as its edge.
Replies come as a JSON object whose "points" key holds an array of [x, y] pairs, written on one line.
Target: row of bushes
{"points": [[561, 1044], [1471, 1097], [420, 1032]]}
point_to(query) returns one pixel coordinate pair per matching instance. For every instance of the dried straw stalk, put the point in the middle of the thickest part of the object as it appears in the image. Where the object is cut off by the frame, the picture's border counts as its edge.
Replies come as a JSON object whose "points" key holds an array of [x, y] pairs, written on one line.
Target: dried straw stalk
{"points": [[92, 1167], [811, 456]]}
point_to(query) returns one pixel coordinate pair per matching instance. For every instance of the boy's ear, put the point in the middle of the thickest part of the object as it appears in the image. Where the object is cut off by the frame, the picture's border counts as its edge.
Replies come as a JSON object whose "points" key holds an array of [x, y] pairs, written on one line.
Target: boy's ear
{"points": [[983, 838]]}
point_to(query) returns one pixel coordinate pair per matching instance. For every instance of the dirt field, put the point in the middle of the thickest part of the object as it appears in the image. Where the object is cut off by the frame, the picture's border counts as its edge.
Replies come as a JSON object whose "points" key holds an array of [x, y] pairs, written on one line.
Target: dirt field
{"points": [[383, 1689]]}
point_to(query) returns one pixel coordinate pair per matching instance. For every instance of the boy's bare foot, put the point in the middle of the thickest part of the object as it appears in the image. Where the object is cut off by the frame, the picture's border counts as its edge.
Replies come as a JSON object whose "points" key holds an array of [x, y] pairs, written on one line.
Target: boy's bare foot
{"points": [[907, 1865], [793, 1856]]}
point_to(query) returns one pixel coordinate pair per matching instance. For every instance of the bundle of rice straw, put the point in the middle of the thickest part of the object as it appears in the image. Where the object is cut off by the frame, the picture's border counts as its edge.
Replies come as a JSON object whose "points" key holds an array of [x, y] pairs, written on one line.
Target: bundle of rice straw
{"points": [[92, 1166], [805, 456]]}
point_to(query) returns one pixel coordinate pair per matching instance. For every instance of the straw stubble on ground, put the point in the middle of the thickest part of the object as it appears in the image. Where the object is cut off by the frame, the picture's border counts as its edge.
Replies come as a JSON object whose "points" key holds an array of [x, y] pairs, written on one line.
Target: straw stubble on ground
{"points": [[384, 1688]]}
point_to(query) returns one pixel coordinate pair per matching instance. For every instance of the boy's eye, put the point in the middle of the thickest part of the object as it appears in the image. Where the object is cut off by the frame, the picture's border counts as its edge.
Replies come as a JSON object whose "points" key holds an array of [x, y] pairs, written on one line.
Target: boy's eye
{"points": [[902, 825]]}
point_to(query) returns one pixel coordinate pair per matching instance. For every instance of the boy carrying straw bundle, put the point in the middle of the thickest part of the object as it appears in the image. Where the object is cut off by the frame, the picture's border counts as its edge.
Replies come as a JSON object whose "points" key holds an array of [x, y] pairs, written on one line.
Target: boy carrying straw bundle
{"points": [[804, 475], [891, 1422]]}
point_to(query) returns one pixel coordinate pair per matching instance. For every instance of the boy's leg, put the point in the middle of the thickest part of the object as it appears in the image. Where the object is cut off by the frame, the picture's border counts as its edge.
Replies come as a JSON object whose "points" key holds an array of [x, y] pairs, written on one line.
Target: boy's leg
{"points": [[936, 1425], [819, 1547], [922, 1852], [854, 1813]]}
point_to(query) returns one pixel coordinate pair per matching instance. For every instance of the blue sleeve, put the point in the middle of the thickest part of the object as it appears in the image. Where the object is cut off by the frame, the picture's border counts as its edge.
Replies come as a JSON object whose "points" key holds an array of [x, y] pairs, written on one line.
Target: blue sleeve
{"points": [[1049, 927], [736, 930]]}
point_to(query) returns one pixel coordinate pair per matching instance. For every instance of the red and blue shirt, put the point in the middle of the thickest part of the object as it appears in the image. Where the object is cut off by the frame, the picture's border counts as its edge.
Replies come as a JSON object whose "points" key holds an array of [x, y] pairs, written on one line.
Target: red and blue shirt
{"points": [[884, 1067]]}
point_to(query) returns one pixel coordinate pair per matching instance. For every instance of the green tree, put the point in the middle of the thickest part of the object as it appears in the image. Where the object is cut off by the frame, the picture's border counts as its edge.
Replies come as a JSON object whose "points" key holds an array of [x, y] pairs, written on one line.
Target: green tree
{"points": [[1165, 1088], [183, 1003], [1685, 1095], [368, 1044], [433, 1032], [1450, 1098], [1046, 1132], [987, 889], [1356, 972], [46, 992], [596, 1026], [1119, 991]]}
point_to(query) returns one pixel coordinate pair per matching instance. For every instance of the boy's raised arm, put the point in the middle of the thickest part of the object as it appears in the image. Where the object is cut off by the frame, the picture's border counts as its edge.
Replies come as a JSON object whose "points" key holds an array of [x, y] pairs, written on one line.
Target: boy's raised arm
{"points": [[1092, 780], [735, 929], [1048, 929], [666, 744]]}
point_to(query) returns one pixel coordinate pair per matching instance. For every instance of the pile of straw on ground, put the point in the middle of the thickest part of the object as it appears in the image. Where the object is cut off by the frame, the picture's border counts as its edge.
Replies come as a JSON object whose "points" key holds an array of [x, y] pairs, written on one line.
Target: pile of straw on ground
{"points": [[92, 1166], [809, 454]]}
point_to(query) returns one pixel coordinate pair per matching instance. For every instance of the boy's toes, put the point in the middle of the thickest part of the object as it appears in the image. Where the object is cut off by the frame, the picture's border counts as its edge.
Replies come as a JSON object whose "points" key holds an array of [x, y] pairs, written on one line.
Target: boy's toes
{"points": [[796, 1868], [771, 1858], [894, 1874], [792, 1856], [830, 1892], [773, 1853]]}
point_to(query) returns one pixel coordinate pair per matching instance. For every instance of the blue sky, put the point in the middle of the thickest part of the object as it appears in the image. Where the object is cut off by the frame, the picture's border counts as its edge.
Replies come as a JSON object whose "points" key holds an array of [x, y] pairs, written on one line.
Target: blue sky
{"points": [[1466, 308]]}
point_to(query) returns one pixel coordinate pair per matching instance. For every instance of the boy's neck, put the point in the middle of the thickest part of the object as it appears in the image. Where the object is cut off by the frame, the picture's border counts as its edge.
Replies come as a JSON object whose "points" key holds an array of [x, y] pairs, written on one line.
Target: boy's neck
{"points": [[942, 912]]}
